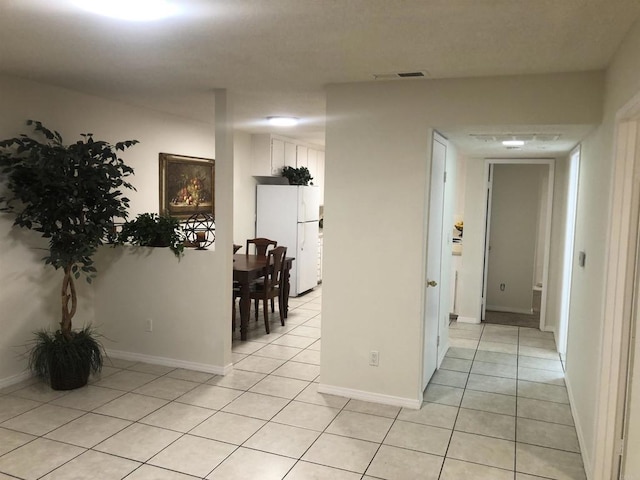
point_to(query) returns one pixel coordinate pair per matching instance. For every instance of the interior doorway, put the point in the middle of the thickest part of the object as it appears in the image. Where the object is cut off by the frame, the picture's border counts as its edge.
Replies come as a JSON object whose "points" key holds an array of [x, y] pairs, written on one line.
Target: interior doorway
{"points": [[618, 420], [517, 241], [433, 311], [569, 240]]}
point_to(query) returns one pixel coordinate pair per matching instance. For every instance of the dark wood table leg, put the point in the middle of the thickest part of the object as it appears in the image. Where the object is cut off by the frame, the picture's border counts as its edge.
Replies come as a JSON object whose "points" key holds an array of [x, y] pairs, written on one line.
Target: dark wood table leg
{"points": [[245, 307]]}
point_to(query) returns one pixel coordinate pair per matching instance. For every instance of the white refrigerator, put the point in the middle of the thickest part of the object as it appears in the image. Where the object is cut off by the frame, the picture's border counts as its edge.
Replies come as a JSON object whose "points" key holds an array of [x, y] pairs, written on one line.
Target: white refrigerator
{"points": [[289, 215]]}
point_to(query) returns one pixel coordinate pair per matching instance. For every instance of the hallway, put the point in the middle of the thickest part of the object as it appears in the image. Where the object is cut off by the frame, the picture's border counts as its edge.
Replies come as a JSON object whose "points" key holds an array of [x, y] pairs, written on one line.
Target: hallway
{"points": [[496, 410]]}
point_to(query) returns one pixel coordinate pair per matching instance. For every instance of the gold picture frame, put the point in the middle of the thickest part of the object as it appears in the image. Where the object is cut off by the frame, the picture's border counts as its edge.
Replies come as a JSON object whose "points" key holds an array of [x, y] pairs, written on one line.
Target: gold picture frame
{"points": [[187, 185]]}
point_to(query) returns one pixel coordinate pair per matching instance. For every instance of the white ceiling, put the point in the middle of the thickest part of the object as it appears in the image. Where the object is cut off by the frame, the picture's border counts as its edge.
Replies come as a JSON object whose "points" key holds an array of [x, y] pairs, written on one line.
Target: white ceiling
{"points": [[276, 56]]}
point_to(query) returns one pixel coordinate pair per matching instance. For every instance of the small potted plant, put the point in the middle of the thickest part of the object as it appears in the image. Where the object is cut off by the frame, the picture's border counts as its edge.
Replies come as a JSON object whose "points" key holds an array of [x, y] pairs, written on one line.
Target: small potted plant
{"points": [[70, 195], [153, 230], [297, 176]]}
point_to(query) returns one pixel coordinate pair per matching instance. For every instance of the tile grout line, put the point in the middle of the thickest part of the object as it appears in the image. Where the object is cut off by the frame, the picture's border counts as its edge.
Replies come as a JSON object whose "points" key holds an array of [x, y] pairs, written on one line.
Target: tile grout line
{"points": [[460, 405]]}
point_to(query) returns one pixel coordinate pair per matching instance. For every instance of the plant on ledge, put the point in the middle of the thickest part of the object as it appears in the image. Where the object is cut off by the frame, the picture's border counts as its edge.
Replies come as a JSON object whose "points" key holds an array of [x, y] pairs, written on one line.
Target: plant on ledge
{"points": [[70, 195], [153, 230], [297, 176]]}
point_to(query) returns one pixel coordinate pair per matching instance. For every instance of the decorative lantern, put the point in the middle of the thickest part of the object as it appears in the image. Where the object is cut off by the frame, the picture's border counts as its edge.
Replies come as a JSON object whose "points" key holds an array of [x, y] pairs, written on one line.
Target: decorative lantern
{"points": [[200, 230]]}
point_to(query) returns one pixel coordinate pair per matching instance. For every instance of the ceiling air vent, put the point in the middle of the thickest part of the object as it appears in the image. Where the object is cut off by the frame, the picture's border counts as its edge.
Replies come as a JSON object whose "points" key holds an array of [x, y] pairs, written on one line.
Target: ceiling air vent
{"points": [[411, 74], [400, 75]]}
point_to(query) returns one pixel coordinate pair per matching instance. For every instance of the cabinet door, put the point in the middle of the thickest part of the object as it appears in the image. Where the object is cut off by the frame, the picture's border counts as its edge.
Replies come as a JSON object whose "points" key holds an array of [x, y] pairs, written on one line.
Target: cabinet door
{"points": [[290, 154], [302, 157], [312, 161], [277, 156], [319, 180]]}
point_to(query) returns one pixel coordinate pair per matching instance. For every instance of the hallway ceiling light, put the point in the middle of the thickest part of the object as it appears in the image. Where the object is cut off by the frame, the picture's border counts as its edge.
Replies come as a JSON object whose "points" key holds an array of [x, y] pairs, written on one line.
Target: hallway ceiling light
{"points": [[130, 10], [513, 143], [283, 121]]}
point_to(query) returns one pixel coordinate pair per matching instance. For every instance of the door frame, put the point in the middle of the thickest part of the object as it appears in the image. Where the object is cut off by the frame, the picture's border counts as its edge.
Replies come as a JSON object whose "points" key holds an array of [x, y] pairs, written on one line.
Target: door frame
{"points": [[436, 137], [573, 187], [619, 288], [488, 170]]}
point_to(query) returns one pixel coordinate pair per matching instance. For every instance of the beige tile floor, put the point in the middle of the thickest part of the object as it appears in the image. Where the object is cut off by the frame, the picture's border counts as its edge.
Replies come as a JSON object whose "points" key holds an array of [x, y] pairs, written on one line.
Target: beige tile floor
{"points": [[497, 409]]}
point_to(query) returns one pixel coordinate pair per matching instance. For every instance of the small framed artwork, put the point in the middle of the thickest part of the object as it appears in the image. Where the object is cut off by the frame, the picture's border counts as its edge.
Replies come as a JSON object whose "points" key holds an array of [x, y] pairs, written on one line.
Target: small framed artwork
{"points": [[186, 185]]}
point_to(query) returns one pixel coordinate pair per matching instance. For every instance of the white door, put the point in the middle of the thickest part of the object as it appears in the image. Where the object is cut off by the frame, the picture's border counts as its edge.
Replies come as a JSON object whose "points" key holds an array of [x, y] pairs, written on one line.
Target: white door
{"points": [[434, 258], [308, 204], [569, 240], [306, 262]]}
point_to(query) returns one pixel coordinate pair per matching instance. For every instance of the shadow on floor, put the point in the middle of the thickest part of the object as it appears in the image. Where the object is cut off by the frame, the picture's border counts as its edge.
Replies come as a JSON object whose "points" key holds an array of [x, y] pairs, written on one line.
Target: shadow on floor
{"points": [[517, 319]]}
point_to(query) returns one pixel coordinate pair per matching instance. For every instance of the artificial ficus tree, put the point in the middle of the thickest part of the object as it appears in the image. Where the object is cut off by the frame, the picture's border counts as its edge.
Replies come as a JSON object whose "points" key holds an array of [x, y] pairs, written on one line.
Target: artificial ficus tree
{"points": [[70, 194]]}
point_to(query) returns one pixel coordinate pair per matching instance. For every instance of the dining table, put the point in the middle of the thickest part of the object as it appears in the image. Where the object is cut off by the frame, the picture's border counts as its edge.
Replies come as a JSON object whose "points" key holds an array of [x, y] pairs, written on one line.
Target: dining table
{"points": [[248, 268]]}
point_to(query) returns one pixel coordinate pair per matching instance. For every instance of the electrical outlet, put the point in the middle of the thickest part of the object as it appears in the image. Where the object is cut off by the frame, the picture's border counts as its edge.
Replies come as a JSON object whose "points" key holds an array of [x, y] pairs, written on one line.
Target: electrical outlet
{"points": [[149, 325], [374, 358]]}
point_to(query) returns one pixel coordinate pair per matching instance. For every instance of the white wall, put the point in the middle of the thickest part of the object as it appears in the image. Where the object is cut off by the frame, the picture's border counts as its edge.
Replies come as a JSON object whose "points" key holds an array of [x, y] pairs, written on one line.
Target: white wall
{"points": [[244, 191], [377, 144], [587, 321], [541, 227], [29, 299], [556, 250], [513, 233], [447, 276]]}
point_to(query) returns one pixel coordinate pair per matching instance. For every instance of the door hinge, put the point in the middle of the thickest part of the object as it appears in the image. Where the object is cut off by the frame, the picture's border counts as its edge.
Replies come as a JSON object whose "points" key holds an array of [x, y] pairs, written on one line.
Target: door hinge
{"points": [[620, 449], [445, 176], [438, 341]]}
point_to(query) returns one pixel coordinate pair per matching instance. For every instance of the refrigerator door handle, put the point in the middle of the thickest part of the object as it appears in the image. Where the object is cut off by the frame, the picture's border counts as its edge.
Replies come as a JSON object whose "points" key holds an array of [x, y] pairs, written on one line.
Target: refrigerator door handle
{"points": [[302, 242]]}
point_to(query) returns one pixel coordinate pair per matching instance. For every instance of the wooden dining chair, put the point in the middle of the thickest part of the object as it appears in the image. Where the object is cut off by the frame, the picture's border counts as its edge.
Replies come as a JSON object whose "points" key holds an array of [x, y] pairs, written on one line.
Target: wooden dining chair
{"points": [[270, 287], [261, 245]]}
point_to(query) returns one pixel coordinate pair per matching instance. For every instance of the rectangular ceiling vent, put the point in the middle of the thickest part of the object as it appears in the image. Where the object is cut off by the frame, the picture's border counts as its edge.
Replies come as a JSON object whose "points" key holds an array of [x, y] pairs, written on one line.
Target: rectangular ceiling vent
{"points": [[400, 75], [526, 137]]}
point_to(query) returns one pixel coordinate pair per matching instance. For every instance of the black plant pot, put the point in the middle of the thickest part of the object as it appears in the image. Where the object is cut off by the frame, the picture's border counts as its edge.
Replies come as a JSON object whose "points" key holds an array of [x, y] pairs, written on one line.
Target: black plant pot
{"points": [[68, 379]]}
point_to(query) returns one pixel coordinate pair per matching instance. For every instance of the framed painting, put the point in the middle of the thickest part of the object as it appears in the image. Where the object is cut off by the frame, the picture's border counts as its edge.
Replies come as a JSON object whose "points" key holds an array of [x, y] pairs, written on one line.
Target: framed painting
{"points": [[186, 185]]}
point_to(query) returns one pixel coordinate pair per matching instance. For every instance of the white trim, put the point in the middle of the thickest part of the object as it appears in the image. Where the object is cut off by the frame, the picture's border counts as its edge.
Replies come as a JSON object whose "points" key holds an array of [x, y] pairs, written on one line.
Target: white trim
{"points": [[171, 362], [488, 176], [551, 162], [573, 188], [370, 396], [13, 379], [442, 352], [585, 457], [619, 249], [461, 319], [498, 308]]}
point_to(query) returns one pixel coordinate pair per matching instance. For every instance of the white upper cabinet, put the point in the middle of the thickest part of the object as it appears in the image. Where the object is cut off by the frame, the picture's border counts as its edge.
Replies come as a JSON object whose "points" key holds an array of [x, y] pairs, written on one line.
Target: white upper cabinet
{"points": [[277, 156], [318, 178], [312, 163], [290, 154], [302, 156], [270, 153]]}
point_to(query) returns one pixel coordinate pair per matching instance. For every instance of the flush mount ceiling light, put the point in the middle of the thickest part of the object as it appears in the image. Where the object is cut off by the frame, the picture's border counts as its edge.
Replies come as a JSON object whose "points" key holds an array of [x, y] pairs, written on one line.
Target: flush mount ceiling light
{"points": [[282, 121], [130, 10], [513, 143]]}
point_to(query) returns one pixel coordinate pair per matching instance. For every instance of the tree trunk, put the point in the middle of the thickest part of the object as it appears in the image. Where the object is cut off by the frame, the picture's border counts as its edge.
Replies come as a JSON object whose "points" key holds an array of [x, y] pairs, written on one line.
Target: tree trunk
{"points": [[69, 301]]}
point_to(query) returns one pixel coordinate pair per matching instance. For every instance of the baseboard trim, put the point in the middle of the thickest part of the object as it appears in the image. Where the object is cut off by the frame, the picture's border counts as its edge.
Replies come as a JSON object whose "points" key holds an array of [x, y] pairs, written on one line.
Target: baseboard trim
{"points": [[586, 457], [171, 362], [370, 396], [13, 379], [498, 308], [462, 319]]}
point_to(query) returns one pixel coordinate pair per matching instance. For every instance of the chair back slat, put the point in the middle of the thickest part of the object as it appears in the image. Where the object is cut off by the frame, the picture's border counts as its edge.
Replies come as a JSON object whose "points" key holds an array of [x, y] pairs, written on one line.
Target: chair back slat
{"points": [[275, 257], [261, 245]]}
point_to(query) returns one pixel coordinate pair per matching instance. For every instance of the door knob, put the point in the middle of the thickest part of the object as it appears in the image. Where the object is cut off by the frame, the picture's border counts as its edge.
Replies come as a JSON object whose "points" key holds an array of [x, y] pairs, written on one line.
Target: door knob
{"points": [[432, 283]]}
